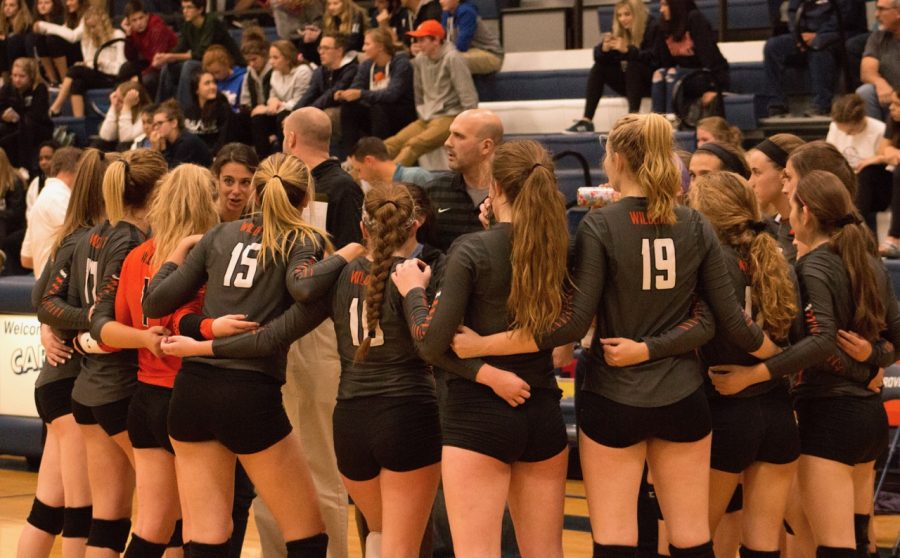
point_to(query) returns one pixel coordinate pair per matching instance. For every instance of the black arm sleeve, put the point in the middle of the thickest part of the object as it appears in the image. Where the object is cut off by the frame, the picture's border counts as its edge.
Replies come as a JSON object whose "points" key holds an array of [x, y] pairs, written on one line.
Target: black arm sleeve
{"points": [[172, 286], [311, 278], [105, 304], [277, 335], [690, 334], [54, 309]]}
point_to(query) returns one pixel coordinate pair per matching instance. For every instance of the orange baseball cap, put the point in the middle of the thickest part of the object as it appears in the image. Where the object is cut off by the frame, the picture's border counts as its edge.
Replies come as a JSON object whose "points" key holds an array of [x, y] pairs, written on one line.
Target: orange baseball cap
{"points": [[428, 28]]}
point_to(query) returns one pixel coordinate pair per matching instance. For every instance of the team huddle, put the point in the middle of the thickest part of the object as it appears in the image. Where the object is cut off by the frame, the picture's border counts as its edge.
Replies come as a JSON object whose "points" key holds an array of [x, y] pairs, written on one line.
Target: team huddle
{"points": [[739, 335]]}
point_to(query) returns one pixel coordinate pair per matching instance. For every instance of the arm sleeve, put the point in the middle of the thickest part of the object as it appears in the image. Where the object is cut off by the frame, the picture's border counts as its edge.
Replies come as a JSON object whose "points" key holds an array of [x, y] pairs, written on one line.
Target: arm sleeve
{"points": [[401, 82], [309, 278], [278, 334], [105, 304], [690, 334], [188, 320], [182, 45], [40, 286], [466, 22], [109, 129], [63, 32], [128, 129], [173, 286], [54, 309]]}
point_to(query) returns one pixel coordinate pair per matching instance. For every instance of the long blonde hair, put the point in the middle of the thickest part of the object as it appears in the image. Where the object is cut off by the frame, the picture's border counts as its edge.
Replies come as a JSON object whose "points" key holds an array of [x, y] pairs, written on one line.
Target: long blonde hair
{"points": [[104, 30], [129, 182], [639, 14], [184, 205], [283, 182], [644, 141], [86, 202], [523, 171], [9, 178], [731, 206], [349, 11]]}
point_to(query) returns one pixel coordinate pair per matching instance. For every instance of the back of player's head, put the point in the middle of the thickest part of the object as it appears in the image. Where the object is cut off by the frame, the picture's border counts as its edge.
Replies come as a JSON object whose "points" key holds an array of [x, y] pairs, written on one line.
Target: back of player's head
{"points": [[86, 201], [184, 205], [824, 196], [730, 204], [523, 173], [129, 181], [821, 155], [65, 160], [644, 141], [284, 187], [389, 214]]}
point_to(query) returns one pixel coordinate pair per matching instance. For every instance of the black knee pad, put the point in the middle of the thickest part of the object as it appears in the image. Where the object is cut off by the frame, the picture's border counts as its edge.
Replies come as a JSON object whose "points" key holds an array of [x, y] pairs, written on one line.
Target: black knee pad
{"points": [[614, 551], [704, 550], [834, 552], [77, 523], [109, 533], [202, 550], [750, 553], [141, 548], [310, 547], [861, 527], [48, 519], [176, 539]]}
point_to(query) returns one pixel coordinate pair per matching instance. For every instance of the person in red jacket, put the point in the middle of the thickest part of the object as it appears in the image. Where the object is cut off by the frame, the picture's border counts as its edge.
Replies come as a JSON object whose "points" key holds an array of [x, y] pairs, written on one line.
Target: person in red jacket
{"points": [[147, 35]]}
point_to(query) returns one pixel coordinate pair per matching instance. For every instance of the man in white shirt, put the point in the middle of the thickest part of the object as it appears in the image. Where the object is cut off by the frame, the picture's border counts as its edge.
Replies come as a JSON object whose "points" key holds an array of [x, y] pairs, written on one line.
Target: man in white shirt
{"points": [[49, 210]]}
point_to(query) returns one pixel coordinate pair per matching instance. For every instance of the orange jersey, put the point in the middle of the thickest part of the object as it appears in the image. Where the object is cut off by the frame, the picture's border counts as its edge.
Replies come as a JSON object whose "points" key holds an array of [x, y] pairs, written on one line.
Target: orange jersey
{"points": [[134, 279]]}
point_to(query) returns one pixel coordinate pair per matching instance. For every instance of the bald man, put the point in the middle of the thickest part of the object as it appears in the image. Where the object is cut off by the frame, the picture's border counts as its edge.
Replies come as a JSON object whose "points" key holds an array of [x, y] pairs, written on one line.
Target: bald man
{"points": [[457, 195], [313, 366]]}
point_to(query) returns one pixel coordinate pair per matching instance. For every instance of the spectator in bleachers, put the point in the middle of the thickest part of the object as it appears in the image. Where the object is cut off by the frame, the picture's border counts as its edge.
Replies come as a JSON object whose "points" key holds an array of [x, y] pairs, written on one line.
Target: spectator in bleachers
{"points": [[687, 40], [380, 101], [146, 35], [716, 128], [370, 159], [855, 47], [348, 19], [335, 74], [623, 61], [857, 137], [45, 154], [199, 31], [24, 117], [767, 161], [229, 78], [479, 45], [123, 124], [880, 66], [443, 88], [169, 137], [714, 156], [12, 216], [816, 36], [209, 116], [15, 22], [394, 17], [888, 153], [475, 135], [255, 89], [96, 30], [51, 50], [290, 80], [300, 21], [423, 10]]}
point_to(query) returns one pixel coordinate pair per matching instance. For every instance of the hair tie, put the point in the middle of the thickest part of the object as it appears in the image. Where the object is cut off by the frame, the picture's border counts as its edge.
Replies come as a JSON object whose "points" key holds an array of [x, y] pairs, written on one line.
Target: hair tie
{"points": [[849, 219], [127, 169], [774, 152], [757, 226], [731, 161], [279, 179]]}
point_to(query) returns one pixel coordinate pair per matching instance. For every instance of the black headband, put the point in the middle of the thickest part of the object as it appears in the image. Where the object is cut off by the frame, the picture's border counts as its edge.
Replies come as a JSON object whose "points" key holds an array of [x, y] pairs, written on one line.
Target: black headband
{"points": [[771, 149], [732, 162]]}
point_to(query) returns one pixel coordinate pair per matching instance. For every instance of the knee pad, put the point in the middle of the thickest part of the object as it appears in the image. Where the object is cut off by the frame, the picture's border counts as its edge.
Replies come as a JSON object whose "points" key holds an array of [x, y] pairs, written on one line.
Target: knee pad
{"points": [[310, 547], [750, 553], [176, 539], [49, 519], [109, 533], [614, 551], [77, 522], [704, 550], [834, 552], [861, 527], [141, 548], [202, 550]]}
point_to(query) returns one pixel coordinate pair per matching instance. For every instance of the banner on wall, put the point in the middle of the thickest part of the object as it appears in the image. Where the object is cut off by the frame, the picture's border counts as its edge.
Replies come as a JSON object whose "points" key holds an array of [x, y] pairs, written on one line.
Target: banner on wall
{"points": [[21, 358]]}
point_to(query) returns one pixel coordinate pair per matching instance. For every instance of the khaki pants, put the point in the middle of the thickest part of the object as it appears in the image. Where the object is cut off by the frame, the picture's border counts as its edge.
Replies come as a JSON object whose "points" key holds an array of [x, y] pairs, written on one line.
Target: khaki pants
{"points": [[482, 62], [418, 138], [313, 373]]}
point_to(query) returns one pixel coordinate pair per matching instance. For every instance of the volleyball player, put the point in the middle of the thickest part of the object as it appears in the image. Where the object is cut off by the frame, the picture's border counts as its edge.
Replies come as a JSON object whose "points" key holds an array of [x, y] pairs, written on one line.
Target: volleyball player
{"points": [[714, 156], [62, 501], [843, 427], [638, 264], [222, 408]]}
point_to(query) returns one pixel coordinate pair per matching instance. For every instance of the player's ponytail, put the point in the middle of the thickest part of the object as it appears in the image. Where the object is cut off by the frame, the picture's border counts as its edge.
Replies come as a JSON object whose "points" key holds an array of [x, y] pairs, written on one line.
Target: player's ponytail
{"points": [[523, 172], [284, 185], [86, 202], [826, 197], [389, 215], [129, 182]]}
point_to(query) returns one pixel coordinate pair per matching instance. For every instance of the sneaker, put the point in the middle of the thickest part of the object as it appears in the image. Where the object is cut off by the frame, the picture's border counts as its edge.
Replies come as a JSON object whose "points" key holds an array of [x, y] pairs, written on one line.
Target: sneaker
{"points": [[580, 127]]}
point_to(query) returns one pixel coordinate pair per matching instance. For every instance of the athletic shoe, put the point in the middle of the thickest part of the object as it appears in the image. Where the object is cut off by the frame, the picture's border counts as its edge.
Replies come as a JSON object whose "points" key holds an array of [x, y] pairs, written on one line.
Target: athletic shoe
{"points": [[580, 127]]}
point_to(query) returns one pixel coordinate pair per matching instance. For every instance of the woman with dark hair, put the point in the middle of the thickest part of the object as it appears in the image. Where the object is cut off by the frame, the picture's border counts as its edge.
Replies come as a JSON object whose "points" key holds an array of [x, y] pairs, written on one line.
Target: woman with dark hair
{"points": [[714, 156], [687, 41], [210, 116]]}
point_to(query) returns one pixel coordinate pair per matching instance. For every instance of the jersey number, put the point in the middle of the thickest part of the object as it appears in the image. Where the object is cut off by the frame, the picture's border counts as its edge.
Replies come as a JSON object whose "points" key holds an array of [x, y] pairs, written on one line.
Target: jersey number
{"points": [[243, 277], [662, 259], [358, 323], [90, 281]]}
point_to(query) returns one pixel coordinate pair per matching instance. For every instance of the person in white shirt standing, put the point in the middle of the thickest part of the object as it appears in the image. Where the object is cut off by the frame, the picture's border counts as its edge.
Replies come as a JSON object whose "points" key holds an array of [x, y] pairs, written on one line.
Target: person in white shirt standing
{"points": [[45, 154]]}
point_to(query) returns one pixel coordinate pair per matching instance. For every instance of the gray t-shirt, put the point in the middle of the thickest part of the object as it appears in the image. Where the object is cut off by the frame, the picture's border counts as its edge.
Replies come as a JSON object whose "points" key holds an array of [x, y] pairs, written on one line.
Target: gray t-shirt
{"points": [[886, 48]]}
